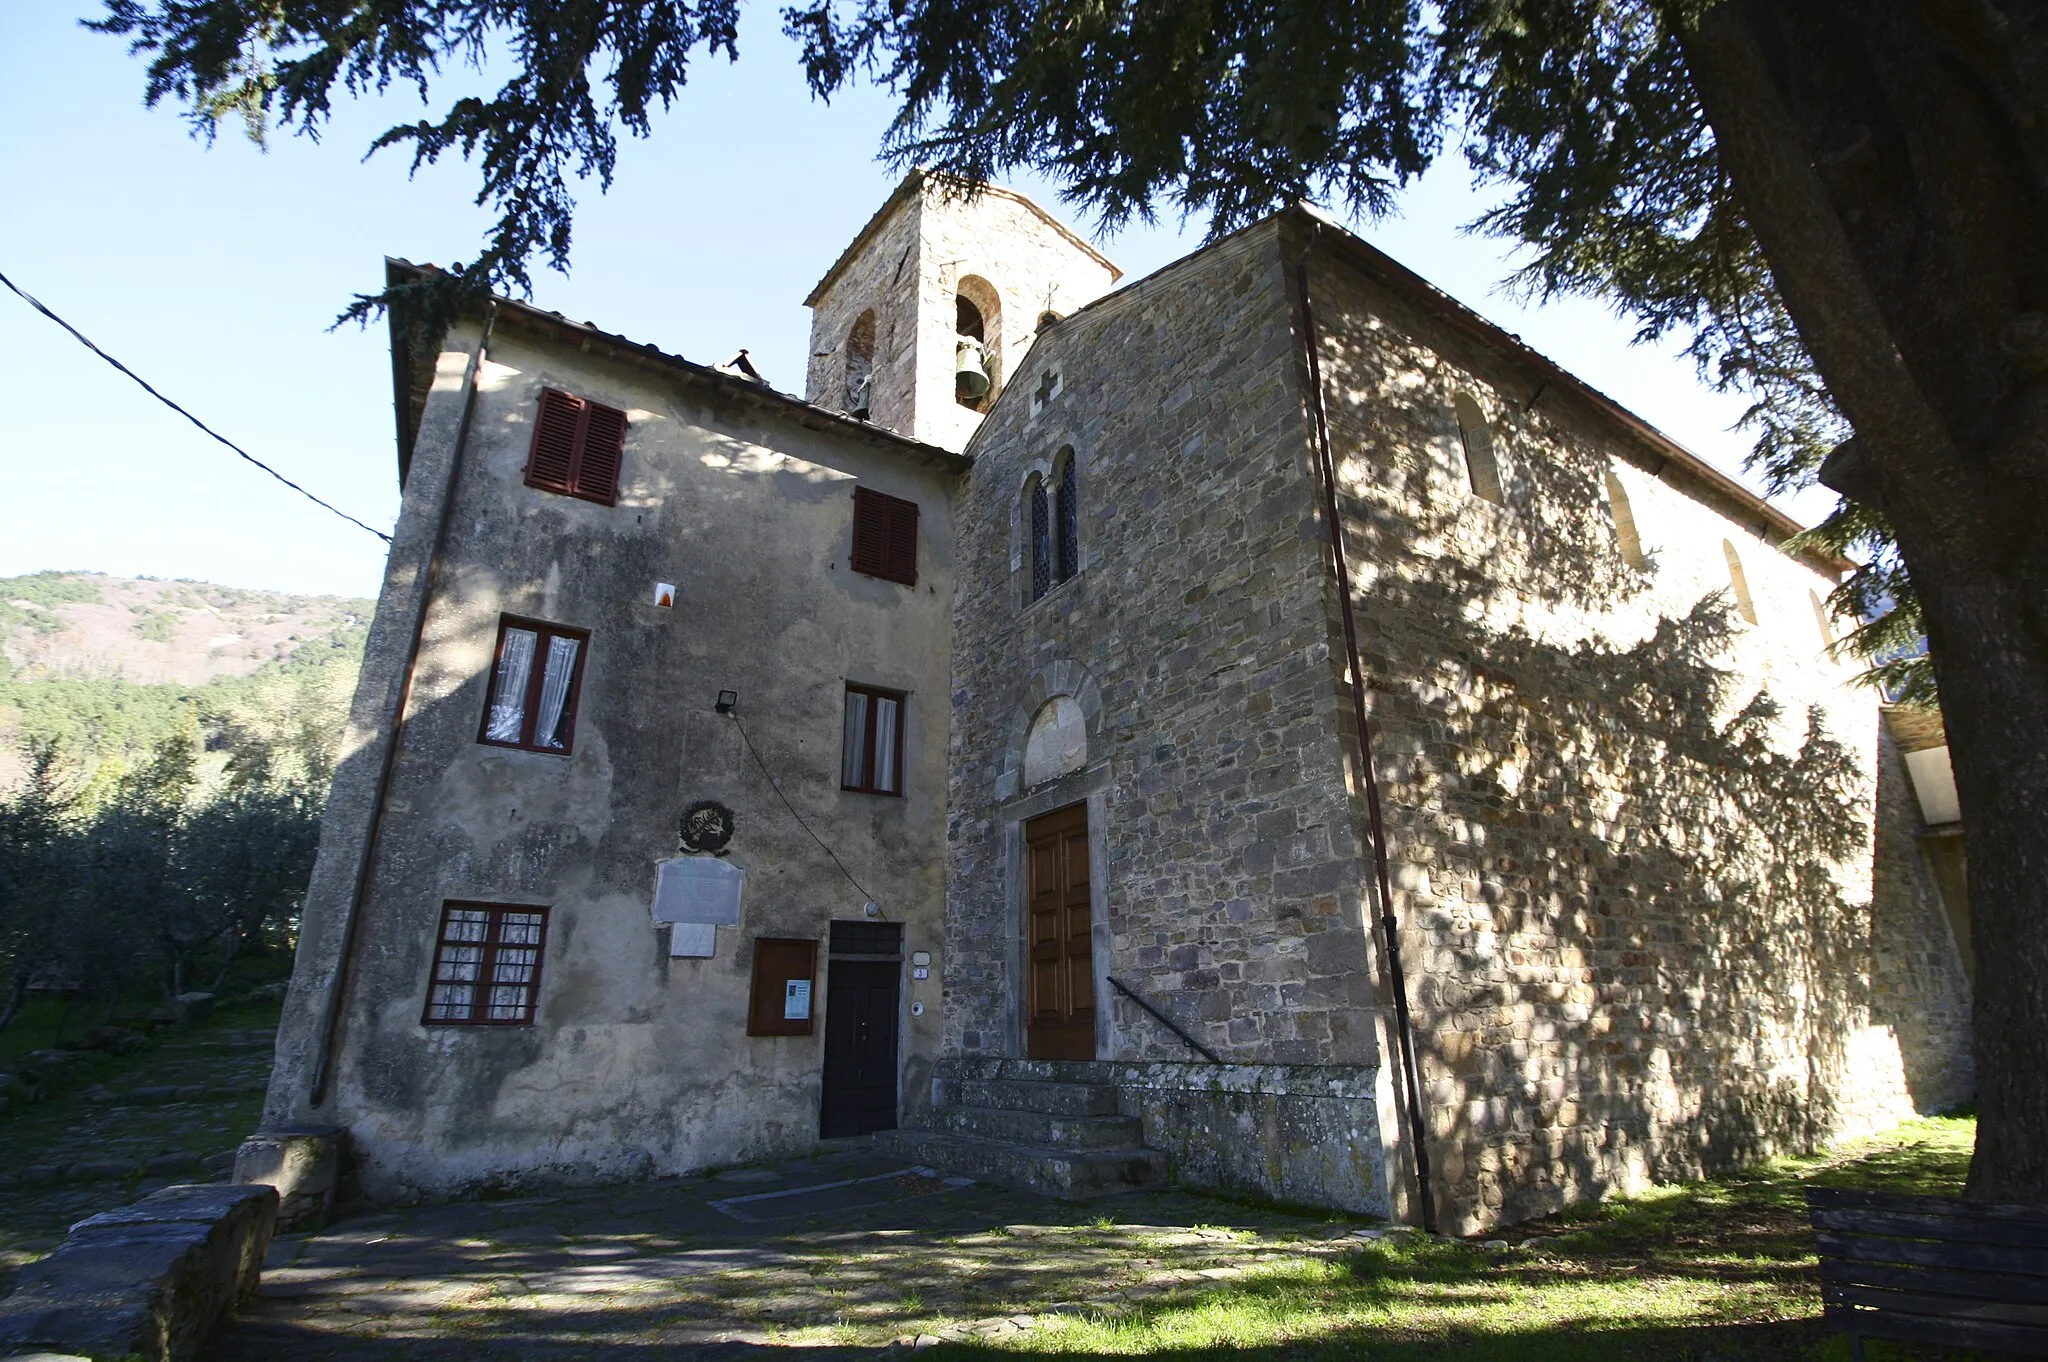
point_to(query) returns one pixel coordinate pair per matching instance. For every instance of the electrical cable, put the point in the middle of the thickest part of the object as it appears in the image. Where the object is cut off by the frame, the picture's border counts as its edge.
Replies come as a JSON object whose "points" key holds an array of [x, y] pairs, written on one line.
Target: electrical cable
{"points": [[81, 338], [776, 786]]}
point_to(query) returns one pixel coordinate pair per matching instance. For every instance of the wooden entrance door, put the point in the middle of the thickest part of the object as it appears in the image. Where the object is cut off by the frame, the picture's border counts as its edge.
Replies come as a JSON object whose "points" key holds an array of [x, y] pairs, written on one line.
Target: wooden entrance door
{"points": [[860, 1047], [1059, 1017]]}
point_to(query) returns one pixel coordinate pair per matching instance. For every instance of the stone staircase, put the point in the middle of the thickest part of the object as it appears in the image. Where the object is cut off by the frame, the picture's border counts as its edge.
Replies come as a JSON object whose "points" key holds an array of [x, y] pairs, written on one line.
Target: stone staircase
{"points": [[1047, 1126]]}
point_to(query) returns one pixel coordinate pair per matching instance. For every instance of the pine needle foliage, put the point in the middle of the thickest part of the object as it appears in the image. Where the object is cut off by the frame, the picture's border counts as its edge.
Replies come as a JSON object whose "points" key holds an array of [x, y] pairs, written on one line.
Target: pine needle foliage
{"points": [[1582, 111]]}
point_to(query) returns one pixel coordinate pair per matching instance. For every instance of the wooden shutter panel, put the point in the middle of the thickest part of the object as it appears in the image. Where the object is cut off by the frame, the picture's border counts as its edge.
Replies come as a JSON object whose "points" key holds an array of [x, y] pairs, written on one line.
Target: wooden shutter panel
{"points": [[777, 961], [870, 532], [885, 536], [604, 442], [552, 463], [902, 563]]}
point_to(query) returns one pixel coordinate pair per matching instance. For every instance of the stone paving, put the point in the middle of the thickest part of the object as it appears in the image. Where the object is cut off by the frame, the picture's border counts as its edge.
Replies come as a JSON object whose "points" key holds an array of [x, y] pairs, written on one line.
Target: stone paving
{"points": [[846, 1253], [174, 1113]]}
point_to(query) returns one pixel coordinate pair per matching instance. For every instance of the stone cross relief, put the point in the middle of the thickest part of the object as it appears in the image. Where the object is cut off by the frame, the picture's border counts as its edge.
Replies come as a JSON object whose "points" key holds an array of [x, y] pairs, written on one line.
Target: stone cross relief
{"points": [[1048, 388]]}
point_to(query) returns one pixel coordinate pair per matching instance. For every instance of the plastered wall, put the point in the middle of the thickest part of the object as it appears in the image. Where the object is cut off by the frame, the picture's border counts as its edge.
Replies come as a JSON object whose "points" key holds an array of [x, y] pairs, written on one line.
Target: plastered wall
{"points": [[636, 1063]]}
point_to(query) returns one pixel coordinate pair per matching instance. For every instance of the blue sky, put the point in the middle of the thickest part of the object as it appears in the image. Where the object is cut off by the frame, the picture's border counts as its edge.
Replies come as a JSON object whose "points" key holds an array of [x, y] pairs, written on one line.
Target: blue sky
{"points": [[215, 272]]}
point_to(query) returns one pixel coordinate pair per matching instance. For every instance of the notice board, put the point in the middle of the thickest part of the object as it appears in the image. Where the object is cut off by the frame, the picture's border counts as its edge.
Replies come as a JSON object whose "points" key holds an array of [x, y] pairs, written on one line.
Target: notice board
{"points": [[783, 1001]]}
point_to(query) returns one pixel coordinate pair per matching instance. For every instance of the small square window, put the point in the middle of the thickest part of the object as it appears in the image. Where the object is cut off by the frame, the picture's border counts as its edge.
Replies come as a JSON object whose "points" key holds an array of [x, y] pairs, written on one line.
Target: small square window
{"points": [[486, 965], [871, 746], [536, 678]]}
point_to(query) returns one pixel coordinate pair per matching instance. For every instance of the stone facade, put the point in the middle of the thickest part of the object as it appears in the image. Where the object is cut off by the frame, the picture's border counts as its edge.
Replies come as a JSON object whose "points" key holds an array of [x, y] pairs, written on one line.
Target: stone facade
{"points": [[1633, 831], [1652, 856], [928, 244], [1647, 926], [1196, 635]]}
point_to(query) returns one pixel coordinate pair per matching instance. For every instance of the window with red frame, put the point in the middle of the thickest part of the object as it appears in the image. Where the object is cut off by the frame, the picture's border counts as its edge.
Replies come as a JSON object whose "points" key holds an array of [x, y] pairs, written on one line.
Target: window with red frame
{"points": [[536, 675], [871, 750], [486, 965], [577, 446]]}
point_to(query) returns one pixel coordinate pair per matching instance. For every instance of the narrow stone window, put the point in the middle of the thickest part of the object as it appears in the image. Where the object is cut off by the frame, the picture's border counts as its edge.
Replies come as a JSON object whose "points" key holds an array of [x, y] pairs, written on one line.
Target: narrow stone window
{"points": [[1481, 468], [860, 364], [1066, 517], [1820, 617], [1625, 536], [1038, 519], [1738, 583], [978, 343]]}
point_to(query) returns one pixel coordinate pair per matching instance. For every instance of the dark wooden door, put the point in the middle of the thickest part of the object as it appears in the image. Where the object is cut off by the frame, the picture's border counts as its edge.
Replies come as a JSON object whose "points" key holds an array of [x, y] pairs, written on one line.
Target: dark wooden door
{"points": [[860, 1047], [1059, 954]]}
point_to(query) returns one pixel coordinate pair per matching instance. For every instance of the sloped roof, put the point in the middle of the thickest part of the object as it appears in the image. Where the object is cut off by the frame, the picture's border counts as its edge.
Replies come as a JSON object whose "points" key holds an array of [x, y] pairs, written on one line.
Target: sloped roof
{"points": [[409, 393], [912, 184]]}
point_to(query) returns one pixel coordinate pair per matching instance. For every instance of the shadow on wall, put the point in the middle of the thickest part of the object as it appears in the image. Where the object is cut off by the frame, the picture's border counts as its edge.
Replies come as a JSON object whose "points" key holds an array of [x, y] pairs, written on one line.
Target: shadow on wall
{"points": [[1639, 931], [467, 821]]}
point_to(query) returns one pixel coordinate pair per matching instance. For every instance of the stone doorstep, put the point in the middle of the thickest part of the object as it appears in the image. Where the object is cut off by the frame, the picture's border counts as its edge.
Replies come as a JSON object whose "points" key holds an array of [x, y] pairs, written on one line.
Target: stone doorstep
{"points": [[1070, 1175], [150, 1280]]}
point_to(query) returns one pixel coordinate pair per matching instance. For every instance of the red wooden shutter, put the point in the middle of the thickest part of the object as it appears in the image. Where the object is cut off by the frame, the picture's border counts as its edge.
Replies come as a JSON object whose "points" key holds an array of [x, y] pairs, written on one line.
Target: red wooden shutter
{"points": [[552, 463], [902, 563], [885, 536], [604, 441], [870, 532]]}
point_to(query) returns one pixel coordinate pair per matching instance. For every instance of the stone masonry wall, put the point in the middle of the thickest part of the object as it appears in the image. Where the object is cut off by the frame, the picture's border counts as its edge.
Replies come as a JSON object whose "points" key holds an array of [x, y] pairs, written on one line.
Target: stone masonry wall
{"points": [[1196, 637], [881, 276], [1645, 930], [1031, 266], [908, 272]]}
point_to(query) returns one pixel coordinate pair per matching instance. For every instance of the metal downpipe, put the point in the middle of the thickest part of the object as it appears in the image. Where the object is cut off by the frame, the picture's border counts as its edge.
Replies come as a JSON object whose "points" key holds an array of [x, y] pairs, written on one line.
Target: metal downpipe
{"points": [[337, 991]]}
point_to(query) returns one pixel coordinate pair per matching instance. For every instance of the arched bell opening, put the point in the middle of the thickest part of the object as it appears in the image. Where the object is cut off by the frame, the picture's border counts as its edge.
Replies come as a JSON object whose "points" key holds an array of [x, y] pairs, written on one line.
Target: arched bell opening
{"points": [[860, 364], [977, 343]]}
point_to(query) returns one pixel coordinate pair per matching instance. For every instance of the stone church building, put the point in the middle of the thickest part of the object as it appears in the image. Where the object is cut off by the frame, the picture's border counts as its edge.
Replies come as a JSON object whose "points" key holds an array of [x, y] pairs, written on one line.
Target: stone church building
{"points": [[1260, 726]]}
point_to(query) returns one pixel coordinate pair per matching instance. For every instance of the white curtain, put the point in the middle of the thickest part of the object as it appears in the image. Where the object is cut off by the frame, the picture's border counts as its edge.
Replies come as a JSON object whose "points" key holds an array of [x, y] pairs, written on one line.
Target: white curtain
{"points": [[853, 747], [885, 744], [508, 696], [554, 692]]}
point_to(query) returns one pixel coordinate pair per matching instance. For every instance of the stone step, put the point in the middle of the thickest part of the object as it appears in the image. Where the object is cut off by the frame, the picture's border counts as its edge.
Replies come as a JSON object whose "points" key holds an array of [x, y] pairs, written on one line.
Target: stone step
{"points": [[1039, 1128], [1027, 1070], [1054, 1099], [1066, 1174]]}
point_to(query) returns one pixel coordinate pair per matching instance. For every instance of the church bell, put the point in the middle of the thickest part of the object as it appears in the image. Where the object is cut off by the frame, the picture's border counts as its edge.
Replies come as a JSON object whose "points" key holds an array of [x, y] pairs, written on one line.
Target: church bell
{"points": [[970, 371]]}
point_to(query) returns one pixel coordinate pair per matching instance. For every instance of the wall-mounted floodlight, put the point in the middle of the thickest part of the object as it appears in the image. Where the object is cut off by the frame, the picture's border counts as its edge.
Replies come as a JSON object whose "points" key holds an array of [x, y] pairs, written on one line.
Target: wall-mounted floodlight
{"points": [[728, 701]]}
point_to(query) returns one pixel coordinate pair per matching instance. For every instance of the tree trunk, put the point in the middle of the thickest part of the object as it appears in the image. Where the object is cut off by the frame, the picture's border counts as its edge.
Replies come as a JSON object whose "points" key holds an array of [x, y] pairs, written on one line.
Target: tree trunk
{"points": [[1892, 158], [14, 999]]}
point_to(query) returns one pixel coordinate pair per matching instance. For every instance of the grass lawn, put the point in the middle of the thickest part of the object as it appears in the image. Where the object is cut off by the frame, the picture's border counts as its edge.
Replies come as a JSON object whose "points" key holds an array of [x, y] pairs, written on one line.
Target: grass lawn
{"points": [[1708, 1272]]}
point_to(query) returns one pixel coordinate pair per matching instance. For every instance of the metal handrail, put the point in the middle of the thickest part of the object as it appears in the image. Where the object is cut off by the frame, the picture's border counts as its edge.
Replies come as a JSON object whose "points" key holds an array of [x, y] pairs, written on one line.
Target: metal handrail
{"points": [[1204, 1051]]}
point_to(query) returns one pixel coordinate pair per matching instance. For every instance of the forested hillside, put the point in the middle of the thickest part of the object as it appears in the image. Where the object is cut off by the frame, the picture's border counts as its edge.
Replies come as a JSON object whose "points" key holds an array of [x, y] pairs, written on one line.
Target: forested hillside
{"points": [[165, 752], [108, 668]]}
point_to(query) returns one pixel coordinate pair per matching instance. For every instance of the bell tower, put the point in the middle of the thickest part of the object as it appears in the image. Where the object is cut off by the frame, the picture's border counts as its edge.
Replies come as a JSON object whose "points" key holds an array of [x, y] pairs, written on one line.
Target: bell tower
{"points": [[923, 318]]}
